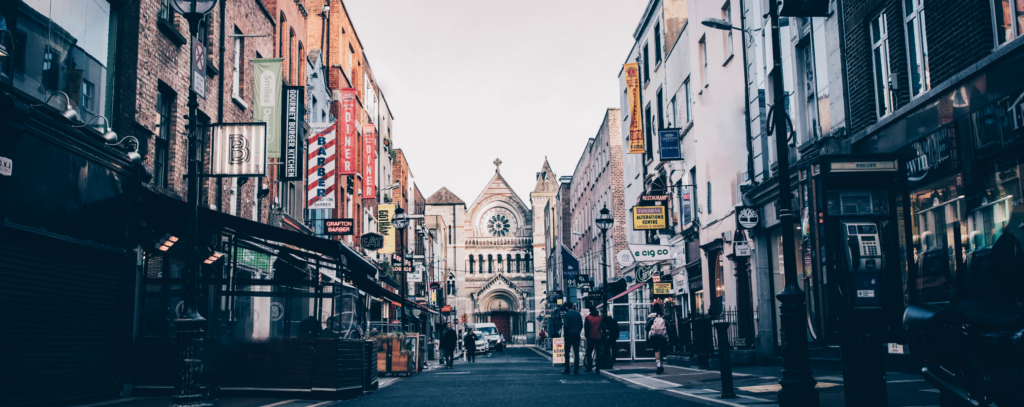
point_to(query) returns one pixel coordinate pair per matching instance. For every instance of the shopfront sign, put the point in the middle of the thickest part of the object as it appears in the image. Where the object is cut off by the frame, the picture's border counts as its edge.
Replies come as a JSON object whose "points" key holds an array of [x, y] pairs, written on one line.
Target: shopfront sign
{"points": [[320, 168], [199, 68], [446, 308], [655, 198], [369, 161], [668, 143], [371, 241], [338, 227], [293, 133], [636, 127], [662, 288], [741, 249], [650, 252], [267, 103], [649, 218], [385, 212], [644, 273], [934, 155], [747, 217], [414, 277], [347, 149], [239, 150]]}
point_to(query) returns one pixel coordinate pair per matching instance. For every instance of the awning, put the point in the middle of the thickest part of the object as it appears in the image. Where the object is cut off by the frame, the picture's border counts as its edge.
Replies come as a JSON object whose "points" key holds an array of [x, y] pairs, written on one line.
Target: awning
{"points": [[628, 290]]}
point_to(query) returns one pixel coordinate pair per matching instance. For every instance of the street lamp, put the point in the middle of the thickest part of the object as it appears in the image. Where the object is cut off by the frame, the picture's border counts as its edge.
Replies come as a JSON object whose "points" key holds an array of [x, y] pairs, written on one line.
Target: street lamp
{"points": [[797, 381], [605, 222], [400, 222], [190, 323]]}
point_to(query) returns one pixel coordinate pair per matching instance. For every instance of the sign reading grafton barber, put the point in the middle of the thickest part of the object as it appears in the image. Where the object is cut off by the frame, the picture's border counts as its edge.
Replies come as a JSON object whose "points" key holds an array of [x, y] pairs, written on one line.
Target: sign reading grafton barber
{"points": [[321, 164], [267, 104], [347, 150], [293, 137], [239, 150], [338, 227], [649, 218], [369, 161]]}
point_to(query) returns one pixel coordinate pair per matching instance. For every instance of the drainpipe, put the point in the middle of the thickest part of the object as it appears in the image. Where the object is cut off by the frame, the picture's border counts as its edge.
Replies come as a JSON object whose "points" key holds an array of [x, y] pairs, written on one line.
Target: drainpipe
{"points": [[220, 99]]}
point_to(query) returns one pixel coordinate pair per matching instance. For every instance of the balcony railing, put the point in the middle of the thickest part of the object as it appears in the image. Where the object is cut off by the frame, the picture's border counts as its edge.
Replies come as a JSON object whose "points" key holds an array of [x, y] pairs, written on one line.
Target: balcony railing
{"points": [[499, 241]]}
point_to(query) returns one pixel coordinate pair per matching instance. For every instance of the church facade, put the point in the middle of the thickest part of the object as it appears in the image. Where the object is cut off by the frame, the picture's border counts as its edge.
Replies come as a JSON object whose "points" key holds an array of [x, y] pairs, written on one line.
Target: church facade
{"points": [[499, 277]]}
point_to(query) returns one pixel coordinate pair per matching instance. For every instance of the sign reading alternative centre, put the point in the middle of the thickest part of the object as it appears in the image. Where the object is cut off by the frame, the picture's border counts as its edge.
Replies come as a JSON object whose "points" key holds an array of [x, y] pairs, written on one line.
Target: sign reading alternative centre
{"points": [[649, 218]]}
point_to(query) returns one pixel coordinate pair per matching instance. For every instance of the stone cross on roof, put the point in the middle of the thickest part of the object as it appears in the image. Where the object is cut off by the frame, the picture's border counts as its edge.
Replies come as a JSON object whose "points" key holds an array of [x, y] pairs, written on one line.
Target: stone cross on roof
{"points": [[497, 165]]}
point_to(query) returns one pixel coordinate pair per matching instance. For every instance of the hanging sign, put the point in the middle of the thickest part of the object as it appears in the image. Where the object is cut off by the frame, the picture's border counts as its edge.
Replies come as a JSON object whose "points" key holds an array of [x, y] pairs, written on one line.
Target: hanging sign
{"points": [[293, 133], [338, 227], [650, 252], [747, 217], [636, 127], [625, 258], [570, 268], [369, 161], [662, 288], [644, 273], [649, 218], [446, 308], [415, 277], [385, 212], [686, 207], [321, 162], [741, 248], [267, 106], [239, 150], [347, 149], [371, 241], [668, 143], [199, 68]]}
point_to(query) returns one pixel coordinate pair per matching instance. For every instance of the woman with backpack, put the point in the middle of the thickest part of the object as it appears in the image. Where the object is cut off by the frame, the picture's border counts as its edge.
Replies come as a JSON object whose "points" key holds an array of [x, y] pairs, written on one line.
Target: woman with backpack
{"points": [[657, 334]]}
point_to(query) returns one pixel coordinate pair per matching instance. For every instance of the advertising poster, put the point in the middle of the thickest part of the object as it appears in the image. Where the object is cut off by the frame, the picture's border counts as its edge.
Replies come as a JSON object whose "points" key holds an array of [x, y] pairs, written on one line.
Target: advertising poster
{"points": [[267, 103], [347, 149], [384, 214], [636, 126], [558, 351], [320, 168], [369, 161]]}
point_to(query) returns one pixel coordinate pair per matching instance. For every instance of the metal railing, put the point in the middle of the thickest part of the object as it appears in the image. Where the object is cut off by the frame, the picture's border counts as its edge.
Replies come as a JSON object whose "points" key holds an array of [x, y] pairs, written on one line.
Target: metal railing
{"points": [[696, 333]]}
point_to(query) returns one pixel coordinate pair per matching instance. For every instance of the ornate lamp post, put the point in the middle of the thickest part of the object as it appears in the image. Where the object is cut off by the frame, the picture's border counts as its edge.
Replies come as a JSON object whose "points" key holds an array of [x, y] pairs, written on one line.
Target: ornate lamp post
{"points": [[797, 381], [605, 222], [190, 323], [400, 222]]}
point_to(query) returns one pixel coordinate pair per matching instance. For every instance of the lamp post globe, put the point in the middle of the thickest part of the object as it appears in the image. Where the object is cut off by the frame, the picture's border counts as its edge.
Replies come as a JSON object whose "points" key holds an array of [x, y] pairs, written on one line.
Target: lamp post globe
{"points": [[401, 220], [605, 219], [186, 7]]}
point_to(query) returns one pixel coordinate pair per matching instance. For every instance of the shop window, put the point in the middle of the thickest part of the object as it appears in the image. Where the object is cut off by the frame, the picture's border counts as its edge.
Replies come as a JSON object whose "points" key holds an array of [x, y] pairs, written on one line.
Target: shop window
{"points": [[1009, 19], [937, 210], [917, 46], [880, 65], [992, 128]]}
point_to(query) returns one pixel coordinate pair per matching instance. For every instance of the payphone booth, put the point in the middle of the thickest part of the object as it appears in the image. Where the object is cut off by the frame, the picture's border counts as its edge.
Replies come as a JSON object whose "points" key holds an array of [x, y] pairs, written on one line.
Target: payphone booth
{"points": [[857, 214]]}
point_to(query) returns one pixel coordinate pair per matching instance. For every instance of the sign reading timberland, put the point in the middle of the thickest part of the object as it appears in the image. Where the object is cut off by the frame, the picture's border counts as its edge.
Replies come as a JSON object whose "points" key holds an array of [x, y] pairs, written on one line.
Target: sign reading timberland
{"points": [[747, 217], [649, 218]]}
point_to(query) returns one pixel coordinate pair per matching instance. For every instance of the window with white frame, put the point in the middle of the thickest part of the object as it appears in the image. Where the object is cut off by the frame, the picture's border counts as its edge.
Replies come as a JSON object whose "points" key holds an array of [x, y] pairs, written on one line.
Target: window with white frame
{"points": [[917, 46], [702, 45], [1009, 20], [880, 65], [657, 44], [727, 16]]}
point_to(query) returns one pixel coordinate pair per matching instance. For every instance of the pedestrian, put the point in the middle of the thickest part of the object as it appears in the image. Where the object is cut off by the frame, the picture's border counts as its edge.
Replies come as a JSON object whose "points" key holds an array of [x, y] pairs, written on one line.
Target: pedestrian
{"points": [[470, 344], [572, 325], [448, 341], [609, 337], [592, 329], [657, 334], [541, 336]]}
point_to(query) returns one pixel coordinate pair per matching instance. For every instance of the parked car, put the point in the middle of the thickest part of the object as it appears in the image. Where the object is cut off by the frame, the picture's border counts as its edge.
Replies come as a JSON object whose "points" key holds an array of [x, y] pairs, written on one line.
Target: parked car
{"points": [[481, 344], [491, 336]]}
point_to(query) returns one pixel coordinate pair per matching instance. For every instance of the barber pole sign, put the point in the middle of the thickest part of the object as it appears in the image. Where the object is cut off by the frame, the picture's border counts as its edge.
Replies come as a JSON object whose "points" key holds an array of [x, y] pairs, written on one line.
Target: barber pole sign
{"points": [[321, 164], [369, 161], [347, 150]]}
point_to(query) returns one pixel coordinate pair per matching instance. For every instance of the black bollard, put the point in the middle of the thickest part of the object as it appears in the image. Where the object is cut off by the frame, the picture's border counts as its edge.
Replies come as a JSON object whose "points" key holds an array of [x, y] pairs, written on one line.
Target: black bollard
{"points": [[725, 359]]}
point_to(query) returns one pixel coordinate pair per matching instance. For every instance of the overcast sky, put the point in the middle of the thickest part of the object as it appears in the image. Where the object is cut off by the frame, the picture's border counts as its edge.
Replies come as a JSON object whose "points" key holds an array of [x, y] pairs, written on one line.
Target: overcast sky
{"points": [[469, 81]]}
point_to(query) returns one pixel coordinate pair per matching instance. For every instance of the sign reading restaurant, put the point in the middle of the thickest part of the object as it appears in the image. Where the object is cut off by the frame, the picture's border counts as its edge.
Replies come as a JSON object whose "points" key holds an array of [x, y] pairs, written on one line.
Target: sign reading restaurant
{"points": [[649, 218]]}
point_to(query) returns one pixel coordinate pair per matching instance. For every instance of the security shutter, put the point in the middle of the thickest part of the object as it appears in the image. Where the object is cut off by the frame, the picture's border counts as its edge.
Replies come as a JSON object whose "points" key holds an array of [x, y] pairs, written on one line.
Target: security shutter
{"points": [[58, 304]]}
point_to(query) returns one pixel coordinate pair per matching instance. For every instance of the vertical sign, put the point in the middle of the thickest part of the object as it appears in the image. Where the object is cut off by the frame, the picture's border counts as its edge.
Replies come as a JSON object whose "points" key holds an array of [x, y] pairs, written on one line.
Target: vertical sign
{"points": [[570, 268], [239, 149], [685, 207], [267, 108], [636, 127], [199, 68], [293, 113], [369, 158], [347, 151], [321, 166], [384, 214], [668, 140]]}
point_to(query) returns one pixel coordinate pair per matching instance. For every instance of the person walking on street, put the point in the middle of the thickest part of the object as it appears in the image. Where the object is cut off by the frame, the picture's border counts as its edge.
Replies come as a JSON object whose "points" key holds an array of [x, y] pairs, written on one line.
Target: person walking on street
{"points": [[609, 336], [448, 341], [592, 329], [541, 336], [469, 342], [657, 335], [572, 325]]}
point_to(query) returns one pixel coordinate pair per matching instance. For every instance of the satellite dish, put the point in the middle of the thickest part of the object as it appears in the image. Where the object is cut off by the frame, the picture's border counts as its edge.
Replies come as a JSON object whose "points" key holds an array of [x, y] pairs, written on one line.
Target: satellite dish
{"points": [[625, 258]]}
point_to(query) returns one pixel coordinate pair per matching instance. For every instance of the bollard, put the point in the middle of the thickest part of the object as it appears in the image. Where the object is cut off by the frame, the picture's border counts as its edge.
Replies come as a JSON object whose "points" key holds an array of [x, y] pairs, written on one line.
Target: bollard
{"points": [[724, 359]]}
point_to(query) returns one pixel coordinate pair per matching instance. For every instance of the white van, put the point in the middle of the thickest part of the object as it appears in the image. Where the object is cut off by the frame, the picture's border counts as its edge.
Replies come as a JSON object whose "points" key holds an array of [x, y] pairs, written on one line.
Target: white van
{"points": [[494, 339]]}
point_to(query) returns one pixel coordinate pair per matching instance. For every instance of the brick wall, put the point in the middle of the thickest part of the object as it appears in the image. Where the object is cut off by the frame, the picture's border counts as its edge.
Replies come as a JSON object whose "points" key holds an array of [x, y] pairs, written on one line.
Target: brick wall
{"points": [[959, 33]]}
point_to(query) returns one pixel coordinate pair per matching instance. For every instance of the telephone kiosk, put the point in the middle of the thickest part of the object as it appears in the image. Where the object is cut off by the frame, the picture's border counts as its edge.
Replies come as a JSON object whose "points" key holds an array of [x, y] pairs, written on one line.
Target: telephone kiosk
{"points": [[857, 215]]}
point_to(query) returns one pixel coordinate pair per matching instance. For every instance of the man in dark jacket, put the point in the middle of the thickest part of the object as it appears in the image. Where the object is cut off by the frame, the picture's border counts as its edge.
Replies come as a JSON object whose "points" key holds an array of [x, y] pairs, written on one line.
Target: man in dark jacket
{"points": [[470, 345], [609, 336], [572, 325], [448, 341]]}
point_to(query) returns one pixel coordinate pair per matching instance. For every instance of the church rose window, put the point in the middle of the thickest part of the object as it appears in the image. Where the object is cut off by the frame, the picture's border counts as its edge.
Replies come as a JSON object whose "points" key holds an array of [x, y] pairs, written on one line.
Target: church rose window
{"points": [[498, 225]]}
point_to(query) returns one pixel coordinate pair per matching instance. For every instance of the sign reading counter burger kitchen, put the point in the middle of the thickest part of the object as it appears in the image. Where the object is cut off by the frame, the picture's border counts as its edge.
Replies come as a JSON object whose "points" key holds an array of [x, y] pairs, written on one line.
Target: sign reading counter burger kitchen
{"points": [[649, 218]]}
